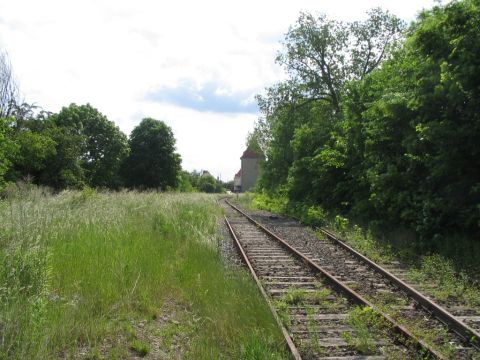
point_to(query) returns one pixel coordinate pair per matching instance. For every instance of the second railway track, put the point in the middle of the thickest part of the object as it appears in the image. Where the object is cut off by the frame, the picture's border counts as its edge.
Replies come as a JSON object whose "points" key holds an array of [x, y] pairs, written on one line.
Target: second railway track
{"points": [[318, 310]]}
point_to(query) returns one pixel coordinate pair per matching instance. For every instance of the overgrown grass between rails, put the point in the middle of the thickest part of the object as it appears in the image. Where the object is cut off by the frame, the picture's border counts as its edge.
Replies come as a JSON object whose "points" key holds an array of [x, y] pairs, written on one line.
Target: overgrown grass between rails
{"points": [[451, 277], [367, 326], [78, 268]]}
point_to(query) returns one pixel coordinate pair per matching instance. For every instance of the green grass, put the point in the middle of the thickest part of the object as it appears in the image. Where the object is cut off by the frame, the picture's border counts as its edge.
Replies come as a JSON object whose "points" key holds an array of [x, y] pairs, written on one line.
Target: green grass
{"points": [[294, 296], [436, 270], [366, 327], [81, 270], [139, 347]]}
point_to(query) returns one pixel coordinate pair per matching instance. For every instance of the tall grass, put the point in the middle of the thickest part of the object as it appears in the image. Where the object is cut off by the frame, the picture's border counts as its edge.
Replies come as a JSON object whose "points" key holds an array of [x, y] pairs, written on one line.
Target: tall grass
{"points": [[79, 268]]}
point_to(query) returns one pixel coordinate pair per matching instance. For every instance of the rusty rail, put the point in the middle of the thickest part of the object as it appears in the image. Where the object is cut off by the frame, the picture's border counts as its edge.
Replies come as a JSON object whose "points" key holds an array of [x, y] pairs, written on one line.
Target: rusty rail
{"points": [[353, 295], [463, 330], [293, 349]]}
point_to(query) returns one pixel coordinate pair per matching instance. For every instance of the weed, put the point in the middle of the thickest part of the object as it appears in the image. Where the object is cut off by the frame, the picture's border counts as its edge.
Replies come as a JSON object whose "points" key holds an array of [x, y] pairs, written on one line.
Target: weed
{"points": [[295, 296], [277, 204], [438, 338], [311, 215], [388, 299], [320, 296], [282, 310], [340, 225], [366, 325], [449, 284], [140, 347], [312, 331], [257, 348], [245, 200]]}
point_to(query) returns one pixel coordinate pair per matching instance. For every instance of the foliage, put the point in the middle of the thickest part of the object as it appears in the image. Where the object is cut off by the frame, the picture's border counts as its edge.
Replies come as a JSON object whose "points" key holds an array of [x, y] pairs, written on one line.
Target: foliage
{"points": [[375, 128], [106, 148], [340, 224], [294, 296], [64, 169], [79, 147], [76, 147], [367, 327], [322, 54], [92, 145], [205, 182], [254, 142], [208, 184], [7, 149], [193, 177], [34, 150], [153, 162], [437, 270], [276, 204], [184, 183], [229, 185]]}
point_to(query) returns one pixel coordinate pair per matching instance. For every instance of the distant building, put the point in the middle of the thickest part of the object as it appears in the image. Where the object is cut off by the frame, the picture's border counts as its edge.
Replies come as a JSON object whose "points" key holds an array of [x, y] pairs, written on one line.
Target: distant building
{"points": [[246, 178], [237, 181], [205, 173]]}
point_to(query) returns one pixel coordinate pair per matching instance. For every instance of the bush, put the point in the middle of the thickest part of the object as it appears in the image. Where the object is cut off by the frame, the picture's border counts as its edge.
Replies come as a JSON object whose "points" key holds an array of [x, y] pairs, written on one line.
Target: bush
{"points": [[277, 203]]}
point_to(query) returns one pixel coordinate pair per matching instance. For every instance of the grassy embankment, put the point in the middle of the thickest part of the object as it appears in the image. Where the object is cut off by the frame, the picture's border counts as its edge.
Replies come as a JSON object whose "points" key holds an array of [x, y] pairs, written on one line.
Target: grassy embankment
{"points": [[455, 275], [121, 274]]}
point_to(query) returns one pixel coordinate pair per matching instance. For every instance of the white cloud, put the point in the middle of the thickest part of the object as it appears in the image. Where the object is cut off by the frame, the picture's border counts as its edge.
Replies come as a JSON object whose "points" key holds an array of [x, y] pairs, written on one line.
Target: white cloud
{"points": [[112, 53]]}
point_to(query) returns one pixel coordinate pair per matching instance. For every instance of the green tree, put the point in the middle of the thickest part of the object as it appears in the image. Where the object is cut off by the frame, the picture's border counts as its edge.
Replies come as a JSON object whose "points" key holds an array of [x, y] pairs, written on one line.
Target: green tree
{"points": [[396, 144], [153, 162], [184, 184], [7, 148], [207, 183], [107, 147], [193, 177], [34, 144], [423, 124], [8, 97], [64, 168], [90, 149], [254, 142], [34, 149], [321, 57]]}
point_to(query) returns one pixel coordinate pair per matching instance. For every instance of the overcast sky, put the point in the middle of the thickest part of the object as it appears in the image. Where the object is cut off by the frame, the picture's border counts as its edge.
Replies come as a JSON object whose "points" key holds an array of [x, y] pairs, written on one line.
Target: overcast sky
{"points": [[196, 65]]}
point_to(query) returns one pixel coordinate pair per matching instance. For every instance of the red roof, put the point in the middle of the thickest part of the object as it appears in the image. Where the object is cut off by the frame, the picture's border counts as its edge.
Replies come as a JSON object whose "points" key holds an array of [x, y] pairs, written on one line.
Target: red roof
{"points": [[239, 173], [250, 154]]}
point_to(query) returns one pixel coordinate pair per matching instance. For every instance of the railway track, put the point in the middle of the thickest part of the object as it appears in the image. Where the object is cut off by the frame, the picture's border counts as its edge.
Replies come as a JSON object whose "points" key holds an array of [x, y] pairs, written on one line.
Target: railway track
{"points": [[332, 305]]}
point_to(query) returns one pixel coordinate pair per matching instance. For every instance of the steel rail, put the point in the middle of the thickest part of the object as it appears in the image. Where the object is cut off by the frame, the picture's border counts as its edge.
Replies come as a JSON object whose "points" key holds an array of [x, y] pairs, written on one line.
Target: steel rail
{"points": [[463, 330], [353, 295], [293, 349]]}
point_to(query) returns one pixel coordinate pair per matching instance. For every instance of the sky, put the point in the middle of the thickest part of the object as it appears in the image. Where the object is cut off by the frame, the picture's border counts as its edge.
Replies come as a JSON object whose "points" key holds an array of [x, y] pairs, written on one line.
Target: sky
{"points": [[196, 65]]}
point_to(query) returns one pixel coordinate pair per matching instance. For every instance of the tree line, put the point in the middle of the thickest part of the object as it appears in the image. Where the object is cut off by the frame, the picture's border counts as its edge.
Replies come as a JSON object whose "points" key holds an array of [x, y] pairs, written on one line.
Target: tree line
{"points": [[378, 121], [79, 147]]}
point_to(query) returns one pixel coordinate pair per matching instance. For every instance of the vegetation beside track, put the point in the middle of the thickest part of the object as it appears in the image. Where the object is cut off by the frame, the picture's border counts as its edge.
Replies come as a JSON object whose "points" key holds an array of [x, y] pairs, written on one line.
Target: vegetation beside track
{"points": [[451, 278], [93, 275], [390, 142]]}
